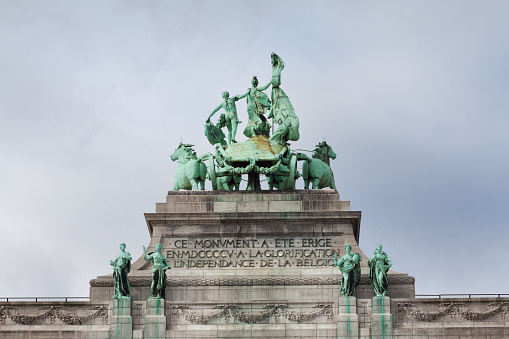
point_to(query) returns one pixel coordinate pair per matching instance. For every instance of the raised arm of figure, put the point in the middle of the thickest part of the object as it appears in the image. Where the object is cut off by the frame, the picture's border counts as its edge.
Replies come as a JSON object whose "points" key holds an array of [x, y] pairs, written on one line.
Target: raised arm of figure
{"points": [[145, 254], [214, 111], [238, 97], [263, 88]]}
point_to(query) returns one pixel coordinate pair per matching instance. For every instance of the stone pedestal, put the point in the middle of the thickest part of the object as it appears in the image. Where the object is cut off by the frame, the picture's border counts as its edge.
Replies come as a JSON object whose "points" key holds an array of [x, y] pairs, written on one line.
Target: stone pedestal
{"points": [[348, 320], [121, 320], [155, 321], [381, 319], [249, 250]]}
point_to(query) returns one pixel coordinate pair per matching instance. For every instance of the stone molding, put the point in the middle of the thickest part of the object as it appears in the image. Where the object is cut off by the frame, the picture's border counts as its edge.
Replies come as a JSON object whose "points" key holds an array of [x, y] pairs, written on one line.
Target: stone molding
{"points": [[288, 191], [245, 221], [452, 309], [393, 280], [265, 281], [234, 312], [53, 313]]}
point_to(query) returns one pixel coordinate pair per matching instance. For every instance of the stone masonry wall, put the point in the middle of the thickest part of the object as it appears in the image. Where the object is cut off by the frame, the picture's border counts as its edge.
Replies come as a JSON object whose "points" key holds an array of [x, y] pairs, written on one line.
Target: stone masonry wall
{"points": [[411, 318]]}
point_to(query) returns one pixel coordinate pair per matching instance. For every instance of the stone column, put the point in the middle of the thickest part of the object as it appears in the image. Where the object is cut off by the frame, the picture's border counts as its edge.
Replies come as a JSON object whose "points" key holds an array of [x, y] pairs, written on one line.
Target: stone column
{"points": [[155, 321], [121, 325], [348, 320], [381, 319]]}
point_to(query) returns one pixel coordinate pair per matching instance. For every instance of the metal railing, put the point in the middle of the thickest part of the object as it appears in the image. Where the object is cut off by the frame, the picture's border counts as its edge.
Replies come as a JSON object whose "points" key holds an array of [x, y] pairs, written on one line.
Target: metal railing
{"points": [[459, 296], [43, 299]]}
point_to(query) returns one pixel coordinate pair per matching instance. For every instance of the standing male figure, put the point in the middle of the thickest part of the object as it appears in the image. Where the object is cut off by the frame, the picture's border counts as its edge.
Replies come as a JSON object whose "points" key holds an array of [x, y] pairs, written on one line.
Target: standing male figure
{"points": [[159, 266], [231, 115], [121, 267]]}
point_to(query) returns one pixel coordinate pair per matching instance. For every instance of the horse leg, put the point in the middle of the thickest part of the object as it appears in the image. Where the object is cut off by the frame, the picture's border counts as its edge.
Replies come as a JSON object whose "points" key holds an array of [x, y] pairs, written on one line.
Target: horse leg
{"points": [[203, 175], [315, 183], [194, 183], [250, 184], [226, 187], [270, 182], [332, 183], [305, 172], [237, 179], [280, 182]]}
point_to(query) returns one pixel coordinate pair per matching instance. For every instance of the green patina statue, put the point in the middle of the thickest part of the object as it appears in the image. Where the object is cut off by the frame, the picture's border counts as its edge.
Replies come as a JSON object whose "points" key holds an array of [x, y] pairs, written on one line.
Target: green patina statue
{"points": [[285, 175], [191, 171], [350, 267], [281, 109], [214, 133], [317, 170], [260, 155], [231, 117], [257, 104], [159, 266], [121, 267], [378, 267], [228, 180]]}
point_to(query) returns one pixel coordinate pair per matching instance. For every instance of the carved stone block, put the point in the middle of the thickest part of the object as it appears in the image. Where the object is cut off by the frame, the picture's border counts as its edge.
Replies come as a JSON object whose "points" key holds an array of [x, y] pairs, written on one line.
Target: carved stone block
{"points": [[381, 318], [155, 320], [347, 320], [121, 325]]}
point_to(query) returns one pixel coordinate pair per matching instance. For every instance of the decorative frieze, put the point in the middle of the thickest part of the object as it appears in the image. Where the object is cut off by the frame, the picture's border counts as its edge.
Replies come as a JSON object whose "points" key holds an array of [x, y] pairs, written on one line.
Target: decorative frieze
{"points": [[453, 309], [241, 281], [235, 312], [52, 313]]}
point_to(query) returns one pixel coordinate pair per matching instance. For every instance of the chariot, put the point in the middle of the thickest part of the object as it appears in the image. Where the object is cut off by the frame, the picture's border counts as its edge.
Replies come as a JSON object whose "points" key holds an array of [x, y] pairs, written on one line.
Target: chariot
{"points": [[258, 155]]}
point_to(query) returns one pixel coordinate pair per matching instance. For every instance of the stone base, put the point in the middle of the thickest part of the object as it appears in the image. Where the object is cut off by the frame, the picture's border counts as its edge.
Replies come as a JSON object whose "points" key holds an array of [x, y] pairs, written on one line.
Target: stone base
{"points": [[155, 321], [381, 318], [348, 320], [121, 320]]}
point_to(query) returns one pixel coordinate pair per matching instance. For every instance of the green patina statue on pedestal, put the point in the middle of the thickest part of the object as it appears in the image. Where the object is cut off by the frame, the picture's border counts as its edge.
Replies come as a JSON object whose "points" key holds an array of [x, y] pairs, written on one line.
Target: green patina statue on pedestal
{"points": [[159, 266], [121, 267], [378, 267], [350, 267]]}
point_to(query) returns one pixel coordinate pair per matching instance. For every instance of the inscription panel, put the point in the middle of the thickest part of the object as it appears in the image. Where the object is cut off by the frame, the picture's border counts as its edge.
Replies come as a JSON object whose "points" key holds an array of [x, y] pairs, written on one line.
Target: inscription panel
{"points": [[250, 252]]}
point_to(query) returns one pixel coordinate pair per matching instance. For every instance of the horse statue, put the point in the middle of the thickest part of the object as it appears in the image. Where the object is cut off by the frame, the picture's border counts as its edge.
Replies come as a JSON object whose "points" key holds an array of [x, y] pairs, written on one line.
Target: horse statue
{"points": [[286, 174], [229, 182], [317, 170], [190, 169]]}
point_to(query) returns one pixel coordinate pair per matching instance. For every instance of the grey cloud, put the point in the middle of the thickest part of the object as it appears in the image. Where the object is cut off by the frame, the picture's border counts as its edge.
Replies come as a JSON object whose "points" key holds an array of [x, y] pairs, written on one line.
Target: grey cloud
{"points": [[94, 97]]}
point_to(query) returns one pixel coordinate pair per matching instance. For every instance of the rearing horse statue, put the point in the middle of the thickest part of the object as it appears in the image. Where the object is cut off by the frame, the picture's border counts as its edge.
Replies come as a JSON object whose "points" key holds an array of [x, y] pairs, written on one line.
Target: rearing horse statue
{"points": [[190, 169], [317, 170]]}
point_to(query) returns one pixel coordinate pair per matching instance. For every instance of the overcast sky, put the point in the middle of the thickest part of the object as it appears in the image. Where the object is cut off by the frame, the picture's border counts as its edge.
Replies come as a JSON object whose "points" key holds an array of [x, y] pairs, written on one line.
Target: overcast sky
{"points": [[411, 95]]}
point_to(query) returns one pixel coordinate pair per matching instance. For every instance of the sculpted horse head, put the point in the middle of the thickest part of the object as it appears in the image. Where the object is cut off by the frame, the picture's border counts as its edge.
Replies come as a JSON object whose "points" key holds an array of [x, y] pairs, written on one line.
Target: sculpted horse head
{"points": [[191, 171], [324, 152], [183, 153]]}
